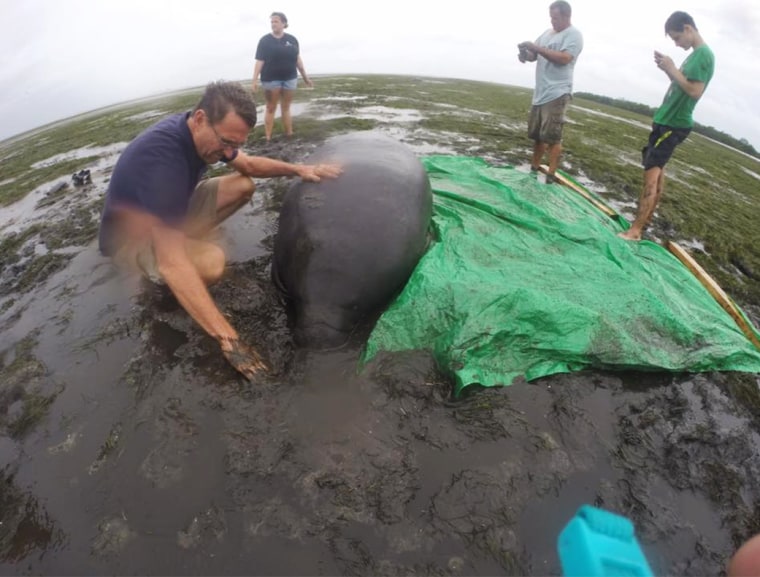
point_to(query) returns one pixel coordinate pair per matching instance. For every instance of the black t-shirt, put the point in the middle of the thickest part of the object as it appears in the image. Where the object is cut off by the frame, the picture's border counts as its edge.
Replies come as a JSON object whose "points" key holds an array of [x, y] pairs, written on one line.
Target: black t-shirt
{"points": [[279, 56]]}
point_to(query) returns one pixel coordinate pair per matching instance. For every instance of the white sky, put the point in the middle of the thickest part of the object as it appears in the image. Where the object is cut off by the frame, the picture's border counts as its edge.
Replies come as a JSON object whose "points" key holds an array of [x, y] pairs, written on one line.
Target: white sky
{"points": [[59, 58]]}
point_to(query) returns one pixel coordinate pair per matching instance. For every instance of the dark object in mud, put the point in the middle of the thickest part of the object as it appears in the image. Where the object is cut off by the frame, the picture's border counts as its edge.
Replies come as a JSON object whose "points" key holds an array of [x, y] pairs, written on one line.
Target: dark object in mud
{"points": [[82, 177], [345, 247]]}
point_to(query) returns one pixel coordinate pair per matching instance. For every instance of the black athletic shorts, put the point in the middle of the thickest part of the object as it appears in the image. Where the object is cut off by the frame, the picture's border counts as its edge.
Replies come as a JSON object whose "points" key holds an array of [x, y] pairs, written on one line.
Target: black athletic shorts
{"points": [[662, 142]]}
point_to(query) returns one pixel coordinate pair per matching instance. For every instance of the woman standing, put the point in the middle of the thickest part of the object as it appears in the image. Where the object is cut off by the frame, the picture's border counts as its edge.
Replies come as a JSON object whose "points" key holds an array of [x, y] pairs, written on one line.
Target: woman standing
{"points": [[278, 61]]}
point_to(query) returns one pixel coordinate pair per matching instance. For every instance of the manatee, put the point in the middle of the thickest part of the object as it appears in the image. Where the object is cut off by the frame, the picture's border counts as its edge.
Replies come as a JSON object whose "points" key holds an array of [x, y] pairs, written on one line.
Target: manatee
{"points": [[345, 247]]}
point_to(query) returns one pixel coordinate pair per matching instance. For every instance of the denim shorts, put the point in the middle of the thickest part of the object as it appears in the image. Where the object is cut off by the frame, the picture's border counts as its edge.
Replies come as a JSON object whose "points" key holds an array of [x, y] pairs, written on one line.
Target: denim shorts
{"points": [[283, 84]]}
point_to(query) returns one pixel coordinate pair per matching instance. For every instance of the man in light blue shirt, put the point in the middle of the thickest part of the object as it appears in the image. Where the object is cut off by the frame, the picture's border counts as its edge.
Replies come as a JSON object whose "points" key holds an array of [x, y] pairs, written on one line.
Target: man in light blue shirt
{"points": [[555, 53]]}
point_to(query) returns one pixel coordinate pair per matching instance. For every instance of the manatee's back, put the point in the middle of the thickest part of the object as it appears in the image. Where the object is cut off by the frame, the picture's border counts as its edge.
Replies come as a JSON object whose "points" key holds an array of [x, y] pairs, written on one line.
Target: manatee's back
{"points": [[346, 246]]}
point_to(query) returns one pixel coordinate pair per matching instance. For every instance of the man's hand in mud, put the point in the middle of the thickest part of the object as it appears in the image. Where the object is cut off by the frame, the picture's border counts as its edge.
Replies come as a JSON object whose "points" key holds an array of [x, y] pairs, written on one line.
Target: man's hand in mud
{"points": [[244, 358]]}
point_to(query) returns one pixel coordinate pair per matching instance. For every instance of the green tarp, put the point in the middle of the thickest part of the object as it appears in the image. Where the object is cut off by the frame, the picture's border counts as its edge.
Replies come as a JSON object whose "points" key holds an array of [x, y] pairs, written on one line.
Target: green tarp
{"points": [[528, 279]]}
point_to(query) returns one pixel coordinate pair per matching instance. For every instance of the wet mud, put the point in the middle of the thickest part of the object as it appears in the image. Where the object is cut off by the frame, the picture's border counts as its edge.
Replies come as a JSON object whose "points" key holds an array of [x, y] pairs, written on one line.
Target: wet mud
{"points": [[129, 445]]}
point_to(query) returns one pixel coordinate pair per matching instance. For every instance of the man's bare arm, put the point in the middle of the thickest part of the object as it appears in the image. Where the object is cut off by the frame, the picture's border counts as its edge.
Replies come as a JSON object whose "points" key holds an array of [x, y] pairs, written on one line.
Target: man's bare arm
{"points": [[179, 273], [693, 88], [262, 167], [181, 276], [559, 57]]}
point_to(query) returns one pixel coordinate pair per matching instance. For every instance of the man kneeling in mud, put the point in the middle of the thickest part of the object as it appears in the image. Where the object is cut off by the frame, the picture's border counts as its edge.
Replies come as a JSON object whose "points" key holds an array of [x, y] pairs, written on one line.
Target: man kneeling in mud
{"points": [[158, 211]]}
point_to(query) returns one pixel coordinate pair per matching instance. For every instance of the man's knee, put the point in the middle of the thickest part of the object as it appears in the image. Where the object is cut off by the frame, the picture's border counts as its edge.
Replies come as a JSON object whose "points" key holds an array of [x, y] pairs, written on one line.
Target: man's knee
{"points": [[244, 188], [210, 262], [248, 187], [746, 561], [237, 186]]}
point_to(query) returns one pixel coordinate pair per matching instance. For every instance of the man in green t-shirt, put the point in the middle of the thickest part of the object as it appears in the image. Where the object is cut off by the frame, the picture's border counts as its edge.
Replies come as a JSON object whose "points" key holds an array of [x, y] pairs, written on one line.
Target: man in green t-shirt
{"points": [[673, 120]]}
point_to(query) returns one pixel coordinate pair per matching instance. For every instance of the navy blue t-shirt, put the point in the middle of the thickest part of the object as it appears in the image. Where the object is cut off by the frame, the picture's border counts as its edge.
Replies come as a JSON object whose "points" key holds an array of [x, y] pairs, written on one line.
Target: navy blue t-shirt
{"points": [[157, 172], [280, 56]]}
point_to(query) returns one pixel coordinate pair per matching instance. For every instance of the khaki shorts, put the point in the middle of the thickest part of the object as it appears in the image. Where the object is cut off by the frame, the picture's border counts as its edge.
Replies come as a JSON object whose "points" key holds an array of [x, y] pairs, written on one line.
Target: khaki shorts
{"points": [[547, 120], [202, 208]]}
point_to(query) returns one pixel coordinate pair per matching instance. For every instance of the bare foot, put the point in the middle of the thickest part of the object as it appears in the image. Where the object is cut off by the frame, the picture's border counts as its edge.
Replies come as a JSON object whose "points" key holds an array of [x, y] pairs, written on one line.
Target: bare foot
{"points": [[628, 235], [244, 358]]}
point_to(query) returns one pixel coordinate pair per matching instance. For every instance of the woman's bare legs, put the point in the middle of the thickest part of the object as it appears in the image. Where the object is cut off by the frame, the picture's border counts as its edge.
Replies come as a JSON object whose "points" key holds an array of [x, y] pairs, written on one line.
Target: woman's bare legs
{"points": [[287, 119], [272, 98]]}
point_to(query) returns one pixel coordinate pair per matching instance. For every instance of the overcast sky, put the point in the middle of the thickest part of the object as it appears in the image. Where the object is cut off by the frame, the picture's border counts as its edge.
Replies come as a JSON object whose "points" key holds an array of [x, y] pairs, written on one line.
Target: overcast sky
{"points": [[59, 58]]}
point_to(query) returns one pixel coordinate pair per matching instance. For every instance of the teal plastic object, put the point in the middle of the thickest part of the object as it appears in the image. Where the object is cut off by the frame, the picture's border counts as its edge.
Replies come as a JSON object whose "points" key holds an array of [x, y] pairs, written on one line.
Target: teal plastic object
{"points": [[598, 543]]}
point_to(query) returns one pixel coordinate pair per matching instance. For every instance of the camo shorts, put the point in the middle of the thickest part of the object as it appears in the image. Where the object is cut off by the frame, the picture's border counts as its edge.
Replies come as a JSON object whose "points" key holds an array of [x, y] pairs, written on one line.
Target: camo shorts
{"points": [[547, 120]]}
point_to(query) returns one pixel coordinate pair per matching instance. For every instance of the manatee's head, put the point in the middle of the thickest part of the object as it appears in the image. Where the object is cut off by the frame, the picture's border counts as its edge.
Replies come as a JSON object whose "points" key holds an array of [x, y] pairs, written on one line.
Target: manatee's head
{"points": [[320, 336], [323, 326]]}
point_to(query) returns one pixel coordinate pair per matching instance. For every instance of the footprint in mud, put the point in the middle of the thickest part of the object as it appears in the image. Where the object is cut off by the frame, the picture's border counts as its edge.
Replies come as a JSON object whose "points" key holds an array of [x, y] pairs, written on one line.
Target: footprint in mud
{"points": [[113, 536], [209, 525]]}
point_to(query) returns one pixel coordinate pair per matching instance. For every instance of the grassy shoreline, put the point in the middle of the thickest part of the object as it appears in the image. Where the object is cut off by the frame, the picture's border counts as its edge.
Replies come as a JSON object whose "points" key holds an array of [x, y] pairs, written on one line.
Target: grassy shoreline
{"points": [[711, 198]]}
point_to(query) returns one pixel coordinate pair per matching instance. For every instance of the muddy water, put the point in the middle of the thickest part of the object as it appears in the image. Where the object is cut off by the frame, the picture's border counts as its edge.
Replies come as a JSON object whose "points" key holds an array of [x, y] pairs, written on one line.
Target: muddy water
{"points": [[153, 457]]}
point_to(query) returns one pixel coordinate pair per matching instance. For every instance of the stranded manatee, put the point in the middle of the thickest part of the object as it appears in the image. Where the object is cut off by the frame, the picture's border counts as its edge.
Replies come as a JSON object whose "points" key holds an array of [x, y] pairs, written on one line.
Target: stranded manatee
{"points": [[346, 246]]}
